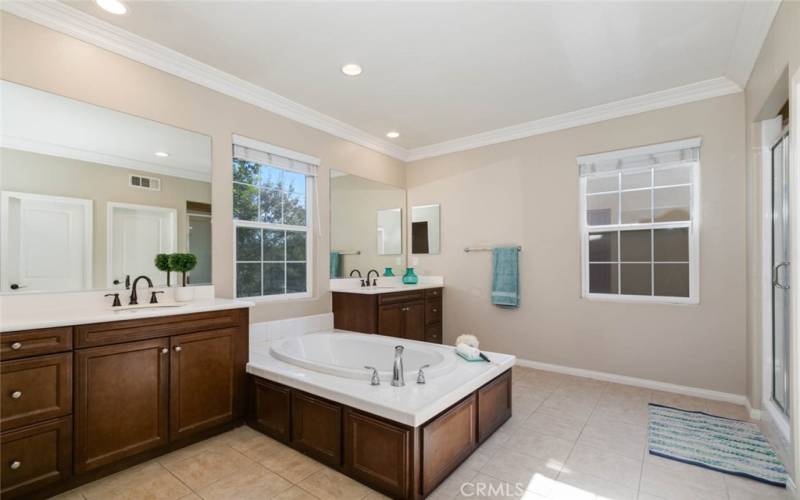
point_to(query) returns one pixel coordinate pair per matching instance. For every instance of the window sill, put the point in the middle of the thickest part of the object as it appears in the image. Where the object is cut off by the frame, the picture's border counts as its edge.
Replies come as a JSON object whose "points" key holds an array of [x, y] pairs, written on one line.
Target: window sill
{"points": [[272, 299], [634, 299]]}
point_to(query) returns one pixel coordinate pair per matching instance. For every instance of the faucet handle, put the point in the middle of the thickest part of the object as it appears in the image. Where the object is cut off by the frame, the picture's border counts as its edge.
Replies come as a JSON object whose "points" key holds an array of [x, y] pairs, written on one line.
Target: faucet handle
{"points": [[154, 297], [421, 375], [116, 303], [375, 380]]}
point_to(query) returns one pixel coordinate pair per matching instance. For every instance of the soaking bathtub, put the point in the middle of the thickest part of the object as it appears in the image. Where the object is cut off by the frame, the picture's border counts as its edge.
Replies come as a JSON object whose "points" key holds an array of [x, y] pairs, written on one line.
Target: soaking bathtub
{"points": [[347, 354]]}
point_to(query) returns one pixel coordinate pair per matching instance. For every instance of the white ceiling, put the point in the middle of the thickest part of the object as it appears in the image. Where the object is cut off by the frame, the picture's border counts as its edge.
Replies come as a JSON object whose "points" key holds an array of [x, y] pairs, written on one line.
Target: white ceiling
{"points": [[41, 122], [437, 72]]}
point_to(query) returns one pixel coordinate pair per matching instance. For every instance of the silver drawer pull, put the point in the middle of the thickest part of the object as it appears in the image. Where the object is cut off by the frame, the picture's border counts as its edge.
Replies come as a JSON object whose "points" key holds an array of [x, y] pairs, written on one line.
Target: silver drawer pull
{"points": [[178, 348], [435, 310], [16, 394], [164, 350], [16, 464], [16, 346]]}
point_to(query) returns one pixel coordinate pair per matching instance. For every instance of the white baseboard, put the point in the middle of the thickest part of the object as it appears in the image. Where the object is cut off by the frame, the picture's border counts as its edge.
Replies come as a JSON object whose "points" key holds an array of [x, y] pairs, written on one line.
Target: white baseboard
{"points": [[755, 414], [641, 382]]}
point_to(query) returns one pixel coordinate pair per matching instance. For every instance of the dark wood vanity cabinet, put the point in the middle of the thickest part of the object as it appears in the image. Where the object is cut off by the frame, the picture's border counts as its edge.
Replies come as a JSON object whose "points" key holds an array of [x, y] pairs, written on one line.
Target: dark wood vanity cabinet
{"points": [[141, 387], [413, 315]]}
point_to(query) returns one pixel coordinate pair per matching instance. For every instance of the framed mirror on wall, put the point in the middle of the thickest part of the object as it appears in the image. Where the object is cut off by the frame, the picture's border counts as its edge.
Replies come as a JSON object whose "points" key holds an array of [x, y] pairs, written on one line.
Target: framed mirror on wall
{"points": [[89, 196], [366, 226], [425, 229]]}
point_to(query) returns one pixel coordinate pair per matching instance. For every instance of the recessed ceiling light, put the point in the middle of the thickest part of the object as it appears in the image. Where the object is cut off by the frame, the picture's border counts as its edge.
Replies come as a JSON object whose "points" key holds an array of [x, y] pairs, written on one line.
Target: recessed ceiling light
{"points": [[351, 69], [162, 154], [393, 135], [113, 6]]}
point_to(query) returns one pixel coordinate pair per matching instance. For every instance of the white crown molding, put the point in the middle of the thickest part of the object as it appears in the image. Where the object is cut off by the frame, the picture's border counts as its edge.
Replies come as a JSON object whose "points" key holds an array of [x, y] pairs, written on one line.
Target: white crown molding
{"points": [[46, 148], [657, 100], [754, 25], [77, 24]]}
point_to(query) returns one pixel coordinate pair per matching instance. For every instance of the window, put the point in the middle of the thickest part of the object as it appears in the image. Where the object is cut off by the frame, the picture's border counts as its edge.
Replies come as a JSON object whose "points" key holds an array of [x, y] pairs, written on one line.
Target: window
{"points": [[639, 231], [272, 219]]}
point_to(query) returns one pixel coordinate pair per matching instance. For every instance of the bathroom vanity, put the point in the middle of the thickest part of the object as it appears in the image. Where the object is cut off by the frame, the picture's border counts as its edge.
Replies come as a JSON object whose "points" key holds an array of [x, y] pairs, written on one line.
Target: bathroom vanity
{"points": [[409, 312], [84, 399]]}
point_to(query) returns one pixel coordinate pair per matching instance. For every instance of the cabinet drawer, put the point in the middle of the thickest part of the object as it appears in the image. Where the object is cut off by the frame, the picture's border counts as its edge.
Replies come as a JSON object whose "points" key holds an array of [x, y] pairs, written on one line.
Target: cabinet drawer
{"points": [[26, 343], [117, 332], [34, 457], [35, 389], [433, 311], [389, 469], [447, 441], [433, 333], [494, 405], [317, 428], [398, 297], [433, 293]]}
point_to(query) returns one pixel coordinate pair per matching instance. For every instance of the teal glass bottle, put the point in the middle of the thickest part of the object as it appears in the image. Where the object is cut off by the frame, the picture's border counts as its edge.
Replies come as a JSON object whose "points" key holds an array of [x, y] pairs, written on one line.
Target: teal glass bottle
{"points": [[410, 278], [388, 272]]}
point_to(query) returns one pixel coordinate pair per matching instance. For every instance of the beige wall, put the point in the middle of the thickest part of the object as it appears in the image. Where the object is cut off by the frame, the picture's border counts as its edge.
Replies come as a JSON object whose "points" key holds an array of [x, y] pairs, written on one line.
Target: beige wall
{"points": [[355, 202], [41, 58], [765, 93], [526, 192], [42, 174]]}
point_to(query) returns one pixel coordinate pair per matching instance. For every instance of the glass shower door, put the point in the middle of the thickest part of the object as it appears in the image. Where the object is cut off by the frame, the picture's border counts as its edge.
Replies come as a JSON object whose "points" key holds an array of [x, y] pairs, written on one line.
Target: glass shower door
{"points": [[780, 273]]}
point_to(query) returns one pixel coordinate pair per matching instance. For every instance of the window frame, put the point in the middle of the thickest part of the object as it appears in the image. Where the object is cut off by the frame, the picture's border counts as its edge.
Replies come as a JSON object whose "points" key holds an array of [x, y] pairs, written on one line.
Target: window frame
{"points": [[237, 223], [693, 226]]}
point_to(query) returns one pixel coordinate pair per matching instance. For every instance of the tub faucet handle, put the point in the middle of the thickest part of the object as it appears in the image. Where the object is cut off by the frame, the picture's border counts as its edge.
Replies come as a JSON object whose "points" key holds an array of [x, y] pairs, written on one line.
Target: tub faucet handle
{"points": [[421, 374], [375, 380]]}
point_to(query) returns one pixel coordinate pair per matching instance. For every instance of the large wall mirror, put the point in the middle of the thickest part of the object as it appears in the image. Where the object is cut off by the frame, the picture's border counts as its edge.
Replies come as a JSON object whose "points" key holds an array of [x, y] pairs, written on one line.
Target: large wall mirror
{"points": [[89, 195], [367, 219]]}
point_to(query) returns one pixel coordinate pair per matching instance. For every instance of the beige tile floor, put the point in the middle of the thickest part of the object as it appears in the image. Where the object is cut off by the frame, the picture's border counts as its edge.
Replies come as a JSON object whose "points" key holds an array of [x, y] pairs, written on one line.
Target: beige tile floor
{"points": [[570, 438]]}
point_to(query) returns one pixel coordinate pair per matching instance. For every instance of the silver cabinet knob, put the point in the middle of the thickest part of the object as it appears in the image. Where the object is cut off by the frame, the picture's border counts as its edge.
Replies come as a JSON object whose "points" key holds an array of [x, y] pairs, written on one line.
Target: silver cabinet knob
{"points": [[178, 348], [16, 394], [16, 346], [164, 350], [16, 464], [435, 310]]}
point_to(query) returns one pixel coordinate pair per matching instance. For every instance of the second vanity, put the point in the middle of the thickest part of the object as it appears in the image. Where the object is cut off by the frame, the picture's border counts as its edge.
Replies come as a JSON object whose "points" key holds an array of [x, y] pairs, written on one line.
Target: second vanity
{"points": [[412, 312], [89, 392]]}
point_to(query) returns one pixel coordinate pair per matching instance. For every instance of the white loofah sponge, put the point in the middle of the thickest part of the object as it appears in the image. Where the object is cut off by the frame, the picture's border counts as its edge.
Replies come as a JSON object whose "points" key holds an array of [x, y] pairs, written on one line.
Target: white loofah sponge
{"points": [[470, 340]]}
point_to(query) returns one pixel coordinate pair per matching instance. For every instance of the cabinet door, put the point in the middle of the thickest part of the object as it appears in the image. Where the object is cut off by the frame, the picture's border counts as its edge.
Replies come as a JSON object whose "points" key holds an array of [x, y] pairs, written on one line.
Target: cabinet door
{"points": [[121, 401], [270, 408], [414, 321], [203, 387], [494, 405], [446, 441], [317, 428], [390, 320]]}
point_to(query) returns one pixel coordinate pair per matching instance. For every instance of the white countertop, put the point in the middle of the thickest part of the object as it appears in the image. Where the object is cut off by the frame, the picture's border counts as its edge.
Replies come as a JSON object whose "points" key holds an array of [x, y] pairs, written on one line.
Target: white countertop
{"points": [[374, 290], [411, 405], [384, 285], [29, 312]]}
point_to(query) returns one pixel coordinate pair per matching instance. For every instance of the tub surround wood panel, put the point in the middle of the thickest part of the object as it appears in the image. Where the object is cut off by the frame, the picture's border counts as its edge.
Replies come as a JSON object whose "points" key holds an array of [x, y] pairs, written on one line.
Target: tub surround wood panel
{"points": [[398, 460], [409, 314], [142, 387]]}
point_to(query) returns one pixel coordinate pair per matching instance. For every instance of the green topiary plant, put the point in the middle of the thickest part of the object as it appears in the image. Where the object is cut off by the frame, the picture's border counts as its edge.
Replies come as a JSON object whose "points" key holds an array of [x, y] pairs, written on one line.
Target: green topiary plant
{"points": [[162, 264], [182, 263]]}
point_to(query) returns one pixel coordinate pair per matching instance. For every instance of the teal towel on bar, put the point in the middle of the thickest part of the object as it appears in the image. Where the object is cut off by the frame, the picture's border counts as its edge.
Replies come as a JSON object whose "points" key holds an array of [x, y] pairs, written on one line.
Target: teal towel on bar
{"points": [[505, 277], [336, 259]]}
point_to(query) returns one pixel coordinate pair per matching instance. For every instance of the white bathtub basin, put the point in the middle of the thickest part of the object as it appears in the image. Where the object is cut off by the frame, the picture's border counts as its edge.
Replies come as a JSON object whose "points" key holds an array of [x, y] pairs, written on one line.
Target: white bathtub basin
{"points": [[346, 354]]}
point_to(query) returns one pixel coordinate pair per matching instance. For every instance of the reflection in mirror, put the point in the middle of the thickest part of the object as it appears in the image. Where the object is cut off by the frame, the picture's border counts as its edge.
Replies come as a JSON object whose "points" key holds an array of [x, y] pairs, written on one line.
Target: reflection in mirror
{"points": [[425, 229], [366, 226], [89, 195]]}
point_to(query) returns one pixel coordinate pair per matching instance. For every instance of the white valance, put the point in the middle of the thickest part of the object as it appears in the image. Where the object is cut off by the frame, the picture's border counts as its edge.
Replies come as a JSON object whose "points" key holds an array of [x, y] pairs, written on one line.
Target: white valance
{"points": [[255, 151], [646, 156]]}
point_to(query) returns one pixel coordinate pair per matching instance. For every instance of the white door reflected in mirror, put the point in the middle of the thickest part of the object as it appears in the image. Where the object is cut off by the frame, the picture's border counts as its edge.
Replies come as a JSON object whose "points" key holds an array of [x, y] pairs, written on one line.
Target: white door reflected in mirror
{"points": [[390, 229], [425, 228], [45, 242]]}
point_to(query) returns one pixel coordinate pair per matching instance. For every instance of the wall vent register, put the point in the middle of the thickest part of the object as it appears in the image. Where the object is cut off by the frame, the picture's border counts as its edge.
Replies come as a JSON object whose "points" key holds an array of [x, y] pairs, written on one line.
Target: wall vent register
{"points": [[142, 182], [639, 223]]}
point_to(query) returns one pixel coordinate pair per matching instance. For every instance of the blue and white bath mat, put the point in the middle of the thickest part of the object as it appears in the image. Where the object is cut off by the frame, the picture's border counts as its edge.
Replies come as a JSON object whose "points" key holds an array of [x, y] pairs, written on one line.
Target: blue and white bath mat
{"points": [[718, 443]]}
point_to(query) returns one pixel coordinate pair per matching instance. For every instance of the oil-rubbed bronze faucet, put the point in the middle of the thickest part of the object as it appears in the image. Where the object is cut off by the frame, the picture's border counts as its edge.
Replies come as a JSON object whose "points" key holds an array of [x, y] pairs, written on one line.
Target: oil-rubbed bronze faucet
{"points": [[375, 281], [134, 300]]}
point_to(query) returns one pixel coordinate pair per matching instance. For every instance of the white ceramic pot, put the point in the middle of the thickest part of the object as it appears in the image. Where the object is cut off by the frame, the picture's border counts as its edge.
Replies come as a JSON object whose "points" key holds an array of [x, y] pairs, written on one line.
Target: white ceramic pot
{"points": [[184, 293]]}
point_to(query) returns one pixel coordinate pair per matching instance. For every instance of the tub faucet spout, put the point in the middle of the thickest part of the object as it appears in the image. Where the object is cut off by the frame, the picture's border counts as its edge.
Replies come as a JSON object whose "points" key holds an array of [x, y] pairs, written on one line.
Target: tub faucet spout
{"points": [[397, 371]]}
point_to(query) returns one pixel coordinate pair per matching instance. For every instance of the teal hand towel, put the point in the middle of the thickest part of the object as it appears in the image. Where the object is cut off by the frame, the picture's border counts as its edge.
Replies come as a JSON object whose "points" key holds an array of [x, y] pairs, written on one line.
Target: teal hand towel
{"points": [[505, 277], [336, 259]]}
